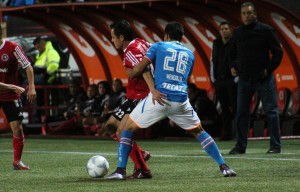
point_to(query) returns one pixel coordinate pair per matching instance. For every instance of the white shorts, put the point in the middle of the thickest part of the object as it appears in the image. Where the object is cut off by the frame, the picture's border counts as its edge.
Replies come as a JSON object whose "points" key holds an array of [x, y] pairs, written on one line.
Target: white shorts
{"points": [[146, 113]]}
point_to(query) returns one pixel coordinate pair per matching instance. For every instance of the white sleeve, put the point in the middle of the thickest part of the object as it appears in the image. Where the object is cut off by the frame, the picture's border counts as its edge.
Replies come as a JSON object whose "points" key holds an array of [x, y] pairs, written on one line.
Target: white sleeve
{"points": [[21, 57]]}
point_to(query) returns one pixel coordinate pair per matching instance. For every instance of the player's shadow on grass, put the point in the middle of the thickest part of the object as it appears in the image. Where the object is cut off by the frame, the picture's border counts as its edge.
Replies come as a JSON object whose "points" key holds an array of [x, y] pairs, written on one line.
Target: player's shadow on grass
{"points": [[92, 180]]}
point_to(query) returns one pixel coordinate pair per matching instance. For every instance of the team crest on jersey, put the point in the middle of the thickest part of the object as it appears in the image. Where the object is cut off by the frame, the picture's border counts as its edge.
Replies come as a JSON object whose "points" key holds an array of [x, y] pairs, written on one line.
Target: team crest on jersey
{"points": [[4, 57]]}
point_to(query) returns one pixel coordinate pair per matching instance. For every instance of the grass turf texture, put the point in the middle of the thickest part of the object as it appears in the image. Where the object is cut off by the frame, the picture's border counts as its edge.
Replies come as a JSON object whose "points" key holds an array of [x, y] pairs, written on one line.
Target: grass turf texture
{"points": [[59, 165]]}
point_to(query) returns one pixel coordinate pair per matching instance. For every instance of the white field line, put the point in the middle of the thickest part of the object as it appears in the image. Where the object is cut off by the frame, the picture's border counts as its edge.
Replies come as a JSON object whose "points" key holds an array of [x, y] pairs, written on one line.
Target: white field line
{"points": [[153, 155]]}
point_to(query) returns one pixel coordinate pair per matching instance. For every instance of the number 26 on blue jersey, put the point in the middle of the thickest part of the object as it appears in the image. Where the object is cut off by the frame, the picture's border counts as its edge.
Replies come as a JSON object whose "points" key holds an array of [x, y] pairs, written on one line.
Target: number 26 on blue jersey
{"points": [[171, 61]]}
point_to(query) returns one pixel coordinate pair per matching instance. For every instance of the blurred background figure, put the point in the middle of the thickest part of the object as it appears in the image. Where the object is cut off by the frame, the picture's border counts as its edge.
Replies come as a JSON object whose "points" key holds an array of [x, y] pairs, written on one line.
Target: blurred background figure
{"points": [[82, 111], [205, 109], [224, 83], [93, 124], [46, 62], [203, 106], [20, 2], [117, 97], [74, 100]]}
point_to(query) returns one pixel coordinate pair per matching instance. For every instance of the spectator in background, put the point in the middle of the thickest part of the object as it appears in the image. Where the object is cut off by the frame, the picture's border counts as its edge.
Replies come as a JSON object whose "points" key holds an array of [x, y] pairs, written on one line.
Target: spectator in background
{"points": [[203, 106], [117, 97], [256, 53], [46, 62], [12, 57], [75, 97], [95, 122], [82, 111], [21, 2], [223, 81]]}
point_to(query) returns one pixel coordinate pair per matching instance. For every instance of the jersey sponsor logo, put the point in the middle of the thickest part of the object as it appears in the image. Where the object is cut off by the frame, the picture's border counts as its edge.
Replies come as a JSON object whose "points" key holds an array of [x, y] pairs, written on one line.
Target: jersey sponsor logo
{"points": [[4, 57], [173, 87]]}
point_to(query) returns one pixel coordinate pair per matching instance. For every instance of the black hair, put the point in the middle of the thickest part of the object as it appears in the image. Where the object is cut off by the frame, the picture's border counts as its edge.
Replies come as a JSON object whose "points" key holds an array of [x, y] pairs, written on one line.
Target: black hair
{"points": [[246, 4], [106, 85], [118, 81], [174, 30], [38, 40], [225, 23], [122, 27]]}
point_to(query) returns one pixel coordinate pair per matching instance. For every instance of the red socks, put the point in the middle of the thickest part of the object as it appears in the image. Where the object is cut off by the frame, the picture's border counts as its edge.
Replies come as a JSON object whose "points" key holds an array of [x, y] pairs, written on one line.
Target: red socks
{"points": [[18, 144], [137, 152]]}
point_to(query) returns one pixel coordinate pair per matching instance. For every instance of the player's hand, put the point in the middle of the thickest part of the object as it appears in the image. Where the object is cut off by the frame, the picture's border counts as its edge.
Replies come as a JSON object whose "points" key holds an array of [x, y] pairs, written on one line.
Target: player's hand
{"points": [[159, 97], [31, 95], [129, 72], [18, 90]]}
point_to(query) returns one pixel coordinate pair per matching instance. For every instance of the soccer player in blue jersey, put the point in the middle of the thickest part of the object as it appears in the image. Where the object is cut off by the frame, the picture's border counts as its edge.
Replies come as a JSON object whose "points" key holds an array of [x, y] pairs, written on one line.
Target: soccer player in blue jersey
{"points": [[173, 65]]}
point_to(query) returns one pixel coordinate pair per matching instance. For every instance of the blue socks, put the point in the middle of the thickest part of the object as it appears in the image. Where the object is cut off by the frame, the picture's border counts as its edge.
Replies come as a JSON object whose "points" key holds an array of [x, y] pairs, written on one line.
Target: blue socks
{"points": [[205, 139], [210, 147], [124, 148]]}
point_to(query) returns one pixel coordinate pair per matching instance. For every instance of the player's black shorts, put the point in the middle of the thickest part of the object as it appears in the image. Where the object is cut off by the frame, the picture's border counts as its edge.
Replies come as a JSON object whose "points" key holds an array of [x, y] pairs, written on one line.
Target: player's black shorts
{"points": [[12, 110], [125, 108]]}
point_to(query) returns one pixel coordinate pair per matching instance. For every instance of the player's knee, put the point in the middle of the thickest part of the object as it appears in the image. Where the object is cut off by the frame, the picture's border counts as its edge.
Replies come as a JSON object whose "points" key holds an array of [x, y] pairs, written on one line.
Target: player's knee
{"points": [[197, 131]]}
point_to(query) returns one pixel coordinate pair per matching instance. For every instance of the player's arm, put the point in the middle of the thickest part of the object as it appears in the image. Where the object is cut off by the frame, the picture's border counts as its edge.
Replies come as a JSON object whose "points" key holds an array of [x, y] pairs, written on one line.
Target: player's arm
{"points": [[31, 94], [138, 69], [156, 95], [14, 88]]}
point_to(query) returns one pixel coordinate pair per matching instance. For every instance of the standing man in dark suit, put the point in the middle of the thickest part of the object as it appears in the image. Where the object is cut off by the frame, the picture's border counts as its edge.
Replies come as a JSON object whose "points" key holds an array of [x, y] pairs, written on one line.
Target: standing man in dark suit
{"points": [[224, 82], [256, 53]]}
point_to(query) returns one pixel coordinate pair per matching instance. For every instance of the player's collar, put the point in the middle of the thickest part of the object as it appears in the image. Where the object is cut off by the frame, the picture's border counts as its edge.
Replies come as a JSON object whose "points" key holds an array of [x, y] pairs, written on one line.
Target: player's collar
{"points": [[129, 44]]}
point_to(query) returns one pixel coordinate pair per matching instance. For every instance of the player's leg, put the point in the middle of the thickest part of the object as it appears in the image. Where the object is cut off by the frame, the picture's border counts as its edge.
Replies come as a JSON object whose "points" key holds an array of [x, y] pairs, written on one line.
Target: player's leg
{"points": [[18, 145], [185, 117], [141, 169], [144, 115], [14, 116], [114, 127], [211, 148], [124, 148]]}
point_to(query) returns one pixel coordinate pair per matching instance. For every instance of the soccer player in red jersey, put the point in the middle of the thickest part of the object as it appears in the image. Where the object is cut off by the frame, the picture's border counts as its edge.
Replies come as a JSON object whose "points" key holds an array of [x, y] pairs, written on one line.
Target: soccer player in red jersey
{"points": [[11, 57], [136, 90]]}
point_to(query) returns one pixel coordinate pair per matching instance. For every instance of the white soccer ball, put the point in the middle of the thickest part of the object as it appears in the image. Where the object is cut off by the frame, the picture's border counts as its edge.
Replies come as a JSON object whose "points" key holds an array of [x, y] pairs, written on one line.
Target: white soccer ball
{"points": [[97, 166]]}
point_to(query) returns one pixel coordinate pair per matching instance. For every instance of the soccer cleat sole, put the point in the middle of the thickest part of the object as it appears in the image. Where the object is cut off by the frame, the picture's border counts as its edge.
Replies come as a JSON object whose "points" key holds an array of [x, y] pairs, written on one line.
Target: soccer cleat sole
{"points": [[115, 176]]}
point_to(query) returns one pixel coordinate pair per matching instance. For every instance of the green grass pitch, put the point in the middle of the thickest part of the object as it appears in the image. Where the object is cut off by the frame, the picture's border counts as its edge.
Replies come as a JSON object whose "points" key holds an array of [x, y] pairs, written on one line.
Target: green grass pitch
{"points": [[59, 165]]}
